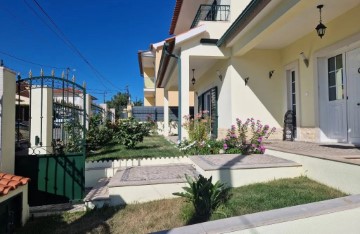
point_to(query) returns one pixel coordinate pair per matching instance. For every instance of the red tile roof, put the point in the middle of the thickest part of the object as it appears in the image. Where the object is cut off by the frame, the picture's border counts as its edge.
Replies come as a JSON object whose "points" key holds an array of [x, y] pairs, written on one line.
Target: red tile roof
{"points": [[10, 182], [175, 16]]}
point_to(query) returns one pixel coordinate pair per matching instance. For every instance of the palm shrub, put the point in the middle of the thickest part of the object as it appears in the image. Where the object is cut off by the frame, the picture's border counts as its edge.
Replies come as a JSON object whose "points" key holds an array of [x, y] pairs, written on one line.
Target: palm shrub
{"points": [[205, 196]]}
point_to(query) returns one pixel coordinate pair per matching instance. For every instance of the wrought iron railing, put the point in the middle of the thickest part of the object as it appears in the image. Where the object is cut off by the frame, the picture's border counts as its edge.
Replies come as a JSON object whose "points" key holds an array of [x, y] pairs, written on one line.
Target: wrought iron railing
{"points": [[211, 13]]}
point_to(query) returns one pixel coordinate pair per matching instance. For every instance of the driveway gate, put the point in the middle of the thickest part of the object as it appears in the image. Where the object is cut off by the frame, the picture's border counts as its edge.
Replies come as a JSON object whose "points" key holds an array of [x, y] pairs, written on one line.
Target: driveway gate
{"points": [[50, 137]]}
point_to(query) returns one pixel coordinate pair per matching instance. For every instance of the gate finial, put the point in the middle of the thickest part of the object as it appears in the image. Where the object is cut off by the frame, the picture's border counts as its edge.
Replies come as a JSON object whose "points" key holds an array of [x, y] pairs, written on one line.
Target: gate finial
{"points": [[73, 78], [53, 73], [41, 72], [30, 74]]}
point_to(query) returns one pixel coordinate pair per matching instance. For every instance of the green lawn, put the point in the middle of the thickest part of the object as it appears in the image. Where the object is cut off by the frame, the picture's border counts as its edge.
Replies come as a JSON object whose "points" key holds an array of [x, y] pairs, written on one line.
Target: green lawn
{"points": [[152, 146], [167, 214]]}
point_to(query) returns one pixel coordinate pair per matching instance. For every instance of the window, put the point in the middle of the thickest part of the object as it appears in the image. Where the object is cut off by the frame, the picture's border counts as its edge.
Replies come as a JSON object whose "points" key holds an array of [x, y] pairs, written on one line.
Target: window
{"points": [[208, 101], [335, 78]]}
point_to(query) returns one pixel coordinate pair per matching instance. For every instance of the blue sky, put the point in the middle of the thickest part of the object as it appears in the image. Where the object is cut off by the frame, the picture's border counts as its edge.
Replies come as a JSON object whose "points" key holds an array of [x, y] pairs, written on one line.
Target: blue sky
{"points": [[108, 33]]}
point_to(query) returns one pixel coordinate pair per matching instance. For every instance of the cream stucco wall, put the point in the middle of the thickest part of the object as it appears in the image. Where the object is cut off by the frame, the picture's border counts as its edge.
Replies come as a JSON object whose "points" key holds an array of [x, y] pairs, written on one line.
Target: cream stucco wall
{"points": [[7, 120], [308, 81]]}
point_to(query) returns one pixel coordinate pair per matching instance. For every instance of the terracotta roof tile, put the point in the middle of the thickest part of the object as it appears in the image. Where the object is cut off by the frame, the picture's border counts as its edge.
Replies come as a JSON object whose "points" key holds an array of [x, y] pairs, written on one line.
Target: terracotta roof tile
{"points": [[11, 182]]}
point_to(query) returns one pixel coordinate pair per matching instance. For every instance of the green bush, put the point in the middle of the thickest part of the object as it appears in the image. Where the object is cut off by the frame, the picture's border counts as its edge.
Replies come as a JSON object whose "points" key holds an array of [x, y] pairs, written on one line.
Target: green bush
{"points": [[99, 134], [205, 196], [130, 132], [199, 127]]}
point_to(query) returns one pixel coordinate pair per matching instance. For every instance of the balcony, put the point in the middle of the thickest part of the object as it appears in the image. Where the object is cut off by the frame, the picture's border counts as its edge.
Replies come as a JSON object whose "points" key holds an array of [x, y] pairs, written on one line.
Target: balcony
{"points": [[211, 13], [149, 83]]}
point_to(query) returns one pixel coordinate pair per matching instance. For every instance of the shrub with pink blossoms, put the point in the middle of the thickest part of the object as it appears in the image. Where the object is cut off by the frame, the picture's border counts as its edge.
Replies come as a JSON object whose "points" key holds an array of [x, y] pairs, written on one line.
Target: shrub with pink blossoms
{"points": [[247, 137]]}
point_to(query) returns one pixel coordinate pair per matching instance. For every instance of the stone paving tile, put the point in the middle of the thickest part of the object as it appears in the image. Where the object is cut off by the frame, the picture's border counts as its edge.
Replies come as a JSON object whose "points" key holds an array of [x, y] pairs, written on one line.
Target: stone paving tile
{"points": [[235, 161], [331, 151], [144, 175]]}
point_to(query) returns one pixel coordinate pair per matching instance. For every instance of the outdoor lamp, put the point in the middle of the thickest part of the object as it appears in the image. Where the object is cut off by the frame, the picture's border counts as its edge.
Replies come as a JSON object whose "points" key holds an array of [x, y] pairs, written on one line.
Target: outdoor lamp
{"points": [[320, 28], [219, 75], [306, 60], [193, 79]]}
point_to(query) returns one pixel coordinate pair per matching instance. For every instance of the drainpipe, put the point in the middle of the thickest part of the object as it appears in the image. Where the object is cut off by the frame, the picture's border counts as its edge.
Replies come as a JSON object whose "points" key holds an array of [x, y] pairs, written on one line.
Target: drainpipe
{"points": [[178, 57]]}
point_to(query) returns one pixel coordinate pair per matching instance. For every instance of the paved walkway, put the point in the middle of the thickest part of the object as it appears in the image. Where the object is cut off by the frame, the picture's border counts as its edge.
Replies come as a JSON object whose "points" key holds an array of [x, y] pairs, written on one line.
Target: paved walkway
{"points": [[331, 151], [145, 175]]}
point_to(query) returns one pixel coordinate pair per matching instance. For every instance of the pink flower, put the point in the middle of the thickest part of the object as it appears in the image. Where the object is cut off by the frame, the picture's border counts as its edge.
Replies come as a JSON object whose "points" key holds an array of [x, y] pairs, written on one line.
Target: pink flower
{"points": [[225, 146]]}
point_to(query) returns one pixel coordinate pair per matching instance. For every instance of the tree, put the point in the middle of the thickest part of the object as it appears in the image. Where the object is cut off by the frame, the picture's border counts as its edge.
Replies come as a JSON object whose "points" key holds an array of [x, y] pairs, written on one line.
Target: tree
{"points": [[138, 103], [118, 101]]}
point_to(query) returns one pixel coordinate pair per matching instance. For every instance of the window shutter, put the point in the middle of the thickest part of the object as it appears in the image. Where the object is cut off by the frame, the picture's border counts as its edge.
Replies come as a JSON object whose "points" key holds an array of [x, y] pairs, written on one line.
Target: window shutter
{"points": [[214, 112], [200, 103]]}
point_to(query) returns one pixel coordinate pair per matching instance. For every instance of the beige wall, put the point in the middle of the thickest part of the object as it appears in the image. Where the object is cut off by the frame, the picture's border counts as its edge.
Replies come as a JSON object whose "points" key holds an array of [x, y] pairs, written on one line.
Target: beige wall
{"points": [[149, 101], [149, 72], [173, 98], [7, 128]]}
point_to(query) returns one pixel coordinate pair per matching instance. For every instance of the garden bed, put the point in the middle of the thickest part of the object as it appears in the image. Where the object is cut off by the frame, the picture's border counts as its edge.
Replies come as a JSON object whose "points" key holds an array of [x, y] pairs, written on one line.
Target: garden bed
{"points": [[141, 218], [153, 146]]}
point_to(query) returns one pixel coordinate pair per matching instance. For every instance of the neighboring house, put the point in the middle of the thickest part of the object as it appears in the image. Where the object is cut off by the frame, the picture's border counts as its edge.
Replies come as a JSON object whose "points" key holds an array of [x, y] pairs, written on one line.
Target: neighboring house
{"points": [[14, 208], [268, 61], [149, 62]]}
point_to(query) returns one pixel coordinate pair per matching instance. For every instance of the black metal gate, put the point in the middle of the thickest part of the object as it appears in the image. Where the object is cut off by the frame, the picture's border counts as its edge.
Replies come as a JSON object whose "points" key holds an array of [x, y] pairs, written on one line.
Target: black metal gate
{"points": [[50, 137]]}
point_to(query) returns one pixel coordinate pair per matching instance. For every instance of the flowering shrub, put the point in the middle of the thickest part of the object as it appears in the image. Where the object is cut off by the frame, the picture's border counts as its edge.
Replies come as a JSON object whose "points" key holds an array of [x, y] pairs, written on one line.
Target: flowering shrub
{"points": [[247, 137], [198, 127], [211, 146]]}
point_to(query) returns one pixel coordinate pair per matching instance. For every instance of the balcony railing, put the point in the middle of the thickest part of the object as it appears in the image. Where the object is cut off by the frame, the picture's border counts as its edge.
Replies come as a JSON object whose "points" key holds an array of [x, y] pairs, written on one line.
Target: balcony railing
{"points": [[211, 13], [149, 83]]}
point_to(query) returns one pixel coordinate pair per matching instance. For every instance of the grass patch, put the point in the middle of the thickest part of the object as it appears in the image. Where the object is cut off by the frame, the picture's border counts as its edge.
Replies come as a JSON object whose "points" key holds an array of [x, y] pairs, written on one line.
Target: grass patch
{"points": [[167, 214], [152, 146]]}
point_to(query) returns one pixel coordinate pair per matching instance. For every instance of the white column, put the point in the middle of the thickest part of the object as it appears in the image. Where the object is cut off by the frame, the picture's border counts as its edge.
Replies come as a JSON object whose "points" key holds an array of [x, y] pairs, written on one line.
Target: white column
{"points": [[41, 120], [166, 112], [184, 94]]}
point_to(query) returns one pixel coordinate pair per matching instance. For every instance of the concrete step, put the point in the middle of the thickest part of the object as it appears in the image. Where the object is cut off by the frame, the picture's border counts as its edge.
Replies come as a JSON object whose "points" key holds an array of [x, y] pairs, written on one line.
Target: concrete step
{"points": [[148, 183], [98, 195], [238, 170]]}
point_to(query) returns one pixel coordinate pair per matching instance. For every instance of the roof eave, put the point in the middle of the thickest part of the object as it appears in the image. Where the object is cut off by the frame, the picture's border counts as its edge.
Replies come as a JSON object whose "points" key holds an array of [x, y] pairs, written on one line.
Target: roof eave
{"points": [[247, 15]]}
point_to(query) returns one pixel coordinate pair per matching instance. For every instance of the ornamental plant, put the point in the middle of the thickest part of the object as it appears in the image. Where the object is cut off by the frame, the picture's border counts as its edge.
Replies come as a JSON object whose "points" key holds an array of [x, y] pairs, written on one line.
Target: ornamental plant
{"points": [[130, 132], [247, 137], [205, 196], [198, 127]]}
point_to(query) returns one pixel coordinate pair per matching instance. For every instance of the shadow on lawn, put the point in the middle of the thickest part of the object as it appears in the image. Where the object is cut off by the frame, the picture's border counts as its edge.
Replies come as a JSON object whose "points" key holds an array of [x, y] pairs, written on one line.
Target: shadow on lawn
{"points": [[93, 221]]}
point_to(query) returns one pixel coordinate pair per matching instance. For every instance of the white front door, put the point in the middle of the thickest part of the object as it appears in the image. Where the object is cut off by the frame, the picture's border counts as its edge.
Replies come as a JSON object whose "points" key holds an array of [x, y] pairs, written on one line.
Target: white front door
{"points": [[336, 114], [353, 102]]}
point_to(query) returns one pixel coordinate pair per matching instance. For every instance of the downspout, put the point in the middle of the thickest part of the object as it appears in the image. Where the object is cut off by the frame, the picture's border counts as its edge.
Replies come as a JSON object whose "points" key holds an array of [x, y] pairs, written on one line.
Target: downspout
{"points": [[178, 57]]}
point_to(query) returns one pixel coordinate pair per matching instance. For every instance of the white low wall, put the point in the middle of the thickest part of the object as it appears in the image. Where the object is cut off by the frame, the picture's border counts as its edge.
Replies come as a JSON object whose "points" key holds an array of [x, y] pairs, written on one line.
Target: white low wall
{"points": [[342, 176], [241, 177], [106, 169]]}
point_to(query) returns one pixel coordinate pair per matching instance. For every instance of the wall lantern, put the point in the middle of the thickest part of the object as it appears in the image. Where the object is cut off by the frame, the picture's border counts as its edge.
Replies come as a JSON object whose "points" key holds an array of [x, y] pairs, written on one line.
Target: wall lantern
{"points": [[306, 60], [193, 81], [219, 75], [320, 29], [271, 73]]}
